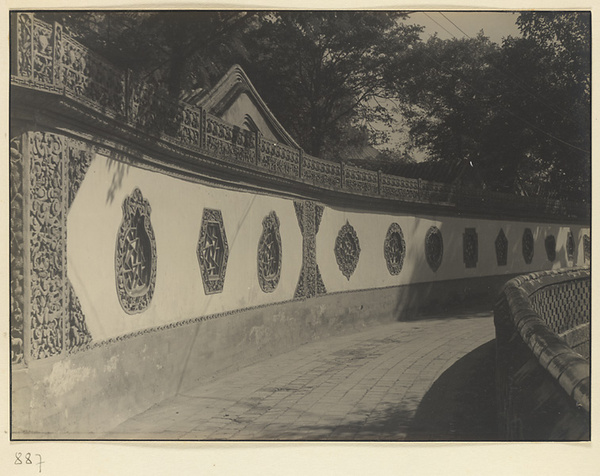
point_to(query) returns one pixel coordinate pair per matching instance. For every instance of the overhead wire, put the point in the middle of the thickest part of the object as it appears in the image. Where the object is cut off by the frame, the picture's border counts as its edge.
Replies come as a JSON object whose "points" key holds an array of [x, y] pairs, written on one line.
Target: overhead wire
{"points": [[525, 121], [516, 79]]}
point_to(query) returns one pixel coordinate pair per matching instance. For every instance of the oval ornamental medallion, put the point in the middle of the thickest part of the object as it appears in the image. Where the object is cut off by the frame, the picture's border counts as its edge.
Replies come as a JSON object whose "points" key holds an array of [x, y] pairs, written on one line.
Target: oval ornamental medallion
{"points": [[347, 250], [434, 247], [394, 249], [135, 255], [527, 245], [269, 254]]}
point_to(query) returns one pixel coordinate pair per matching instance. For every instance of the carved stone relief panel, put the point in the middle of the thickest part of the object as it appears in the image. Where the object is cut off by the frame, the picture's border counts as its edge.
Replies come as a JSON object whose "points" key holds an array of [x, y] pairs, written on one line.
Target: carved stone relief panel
{"points": [[570, 246], [501, 248], [550, 244], [587, 249], [79, 159], [309, 217], [269, 254], [394, 249], [347, 250], [470, 248], [135, 256], [434, 247], [47, 223], [78, 336], [527, 245], [17, 308], [212, 251]]}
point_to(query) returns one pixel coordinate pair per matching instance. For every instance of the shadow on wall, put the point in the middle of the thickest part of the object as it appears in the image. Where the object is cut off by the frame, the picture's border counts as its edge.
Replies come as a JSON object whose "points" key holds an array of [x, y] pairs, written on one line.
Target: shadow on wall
{"points": [[443, 294], [120, 170]]}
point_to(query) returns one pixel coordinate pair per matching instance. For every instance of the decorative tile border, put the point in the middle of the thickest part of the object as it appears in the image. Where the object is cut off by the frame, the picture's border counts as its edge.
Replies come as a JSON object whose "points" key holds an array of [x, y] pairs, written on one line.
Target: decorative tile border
{"points": [[17, 282], [47, 223], [309, 217]]}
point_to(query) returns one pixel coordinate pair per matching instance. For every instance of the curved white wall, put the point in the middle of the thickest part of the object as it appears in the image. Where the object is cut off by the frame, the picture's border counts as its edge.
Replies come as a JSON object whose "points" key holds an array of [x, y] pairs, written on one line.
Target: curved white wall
{"points": [[177, 207]]}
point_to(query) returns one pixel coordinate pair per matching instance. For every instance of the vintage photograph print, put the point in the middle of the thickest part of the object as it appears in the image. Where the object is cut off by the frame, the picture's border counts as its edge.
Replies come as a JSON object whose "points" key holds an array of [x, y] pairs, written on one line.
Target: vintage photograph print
{"points": [[295, 225]]}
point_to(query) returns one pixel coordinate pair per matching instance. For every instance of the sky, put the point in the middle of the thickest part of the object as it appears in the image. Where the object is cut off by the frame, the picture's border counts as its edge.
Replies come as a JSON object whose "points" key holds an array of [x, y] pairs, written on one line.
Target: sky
{"points": [[496, 25]]}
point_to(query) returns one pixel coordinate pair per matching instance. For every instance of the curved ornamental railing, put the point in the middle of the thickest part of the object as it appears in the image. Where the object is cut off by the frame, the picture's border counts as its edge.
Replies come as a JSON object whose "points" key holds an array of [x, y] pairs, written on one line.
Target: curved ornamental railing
{"points": [[46, 59], [542, 361]]}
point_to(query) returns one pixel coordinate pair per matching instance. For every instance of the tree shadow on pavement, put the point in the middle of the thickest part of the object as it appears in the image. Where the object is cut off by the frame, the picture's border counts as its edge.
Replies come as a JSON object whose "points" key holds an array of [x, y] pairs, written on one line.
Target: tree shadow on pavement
{"points": [[461, 403]]}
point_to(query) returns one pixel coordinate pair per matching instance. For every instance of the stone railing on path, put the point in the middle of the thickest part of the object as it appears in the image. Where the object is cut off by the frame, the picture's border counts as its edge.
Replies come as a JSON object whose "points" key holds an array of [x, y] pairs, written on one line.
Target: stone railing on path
{"points": [[543, 347], [47, 60]]}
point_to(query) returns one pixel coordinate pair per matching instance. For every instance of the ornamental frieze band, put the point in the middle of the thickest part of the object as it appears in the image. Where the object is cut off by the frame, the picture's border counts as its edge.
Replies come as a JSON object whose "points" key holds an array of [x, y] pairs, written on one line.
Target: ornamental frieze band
{"points": [[309, 217], [135, 256], [47, 212]]}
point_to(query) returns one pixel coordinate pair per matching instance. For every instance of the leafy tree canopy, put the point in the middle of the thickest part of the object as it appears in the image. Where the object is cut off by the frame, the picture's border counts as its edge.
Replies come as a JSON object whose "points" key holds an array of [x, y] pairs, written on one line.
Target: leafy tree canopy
{"points": [[518, 112]]}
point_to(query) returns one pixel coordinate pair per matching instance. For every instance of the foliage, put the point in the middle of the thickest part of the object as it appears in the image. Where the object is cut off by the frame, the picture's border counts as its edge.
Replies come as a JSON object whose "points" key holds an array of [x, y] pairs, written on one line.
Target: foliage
{"points": [[520, 112], [320, 72]]}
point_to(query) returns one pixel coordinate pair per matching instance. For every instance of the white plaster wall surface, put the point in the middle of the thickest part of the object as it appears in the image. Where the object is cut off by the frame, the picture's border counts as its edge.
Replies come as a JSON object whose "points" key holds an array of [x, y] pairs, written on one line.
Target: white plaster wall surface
{"points": [[177, 207], [371, 230]]}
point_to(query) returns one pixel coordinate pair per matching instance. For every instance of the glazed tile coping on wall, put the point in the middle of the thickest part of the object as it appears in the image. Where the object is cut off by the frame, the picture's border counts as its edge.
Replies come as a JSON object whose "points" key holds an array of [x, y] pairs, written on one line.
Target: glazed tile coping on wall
{"points": [[569, 368]]}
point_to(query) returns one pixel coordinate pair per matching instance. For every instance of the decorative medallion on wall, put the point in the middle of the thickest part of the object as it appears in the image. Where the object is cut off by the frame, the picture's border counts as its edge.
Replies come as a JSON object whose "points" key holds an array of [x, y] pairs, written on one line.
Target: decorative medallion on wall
{"points": [[394, 249], [434, 247], [135, 256], [550, 243], [347, 250], [212, 251], [587, 248], [527, 245], [309, 216], [570, 246], [470, 248], [501, 248], [269, 254]]}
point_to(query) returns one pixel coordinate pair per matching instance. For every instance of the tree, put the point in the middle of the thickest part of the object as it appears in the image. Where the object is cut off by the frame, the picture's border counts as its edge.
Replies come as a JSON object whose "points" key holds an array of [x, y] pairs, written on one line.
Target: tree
{"points": [[320, 72], [520, 112]]}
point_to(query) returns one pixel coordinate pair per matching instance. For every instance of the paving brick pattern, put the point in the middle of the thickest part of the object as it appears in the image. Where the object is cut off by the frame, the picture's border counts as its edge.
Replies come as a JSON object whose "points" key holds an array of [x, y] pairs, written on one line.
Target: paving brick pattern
{"points": [[364, 386]]}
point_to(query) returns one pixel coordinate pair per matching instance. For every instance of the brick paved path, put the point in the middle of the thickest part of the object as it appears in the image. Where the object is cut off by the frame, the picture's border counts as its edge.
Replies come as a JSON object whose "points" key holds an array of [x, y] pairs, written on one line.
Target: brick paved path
{"points": [[364, 386]]}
